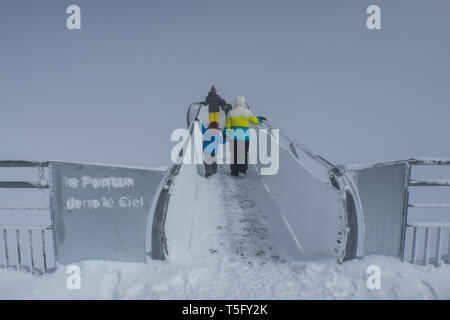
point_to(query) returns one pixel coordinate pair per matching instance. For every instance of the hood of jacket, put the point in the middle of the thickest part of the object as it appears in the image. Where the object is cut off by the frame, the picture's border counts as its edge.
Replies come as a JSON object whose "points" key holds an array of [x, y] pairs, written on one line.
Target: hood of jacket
{"points": [[239, 102]]}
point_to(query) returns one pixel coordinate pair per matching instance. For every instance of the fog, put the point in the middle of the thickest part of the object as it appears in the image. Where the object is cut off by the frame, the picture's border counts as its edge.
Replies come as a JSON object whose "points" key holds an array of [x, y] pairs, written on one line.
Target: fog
{"points": [[114, 91]]}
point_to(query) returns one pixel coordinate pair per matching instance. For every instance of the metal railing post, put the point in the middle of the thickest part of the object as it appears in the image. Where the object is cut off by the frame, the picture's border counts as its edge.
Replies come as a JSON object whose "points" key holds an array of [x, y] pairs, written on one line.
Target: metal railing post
{"points": [[448, 248], [414, 245], [438, 246], [426, 253]]}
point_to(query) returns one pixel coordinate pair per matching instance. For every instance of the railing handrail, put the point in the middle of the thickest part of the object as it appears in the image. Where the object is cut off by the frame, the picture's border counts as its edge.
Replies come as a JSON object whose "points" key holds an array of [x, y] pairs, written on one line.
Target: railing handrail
{"points": [[305, 149], [429, 183], [158, 237], [430, 205], [428, 224], [189, 111], [31, 208], [23, 164], [23, 185], [429, 162]]}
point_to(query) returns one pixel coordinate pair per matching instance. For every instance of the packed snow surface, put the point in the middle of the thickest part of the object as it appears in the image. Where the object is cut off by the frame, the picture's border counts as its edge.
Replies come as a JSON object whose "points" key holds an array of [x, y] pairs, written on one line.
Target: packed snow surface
{"points": [[233, 256], [222, 277]]}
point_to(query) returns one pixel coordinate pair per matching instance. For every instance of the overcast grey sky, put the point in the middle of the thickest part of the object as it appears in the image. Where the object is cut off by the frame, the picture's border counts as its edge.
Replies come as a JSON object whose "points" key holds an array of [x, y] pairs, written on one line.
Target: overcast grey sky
{"points": [[114, 91]]}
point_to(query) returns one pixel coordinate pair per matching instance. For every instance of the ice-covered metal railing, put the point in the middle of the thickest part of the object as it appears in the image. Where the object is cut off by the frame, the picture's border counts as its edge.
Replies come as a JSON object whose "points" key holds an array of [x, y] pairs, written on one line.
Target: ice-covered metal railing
{"points": [[427, 251], [349, 237], [30, 248], [383, 190], [84, 212], [428, 228], [294, 145], [364, 197], [159, 248]]}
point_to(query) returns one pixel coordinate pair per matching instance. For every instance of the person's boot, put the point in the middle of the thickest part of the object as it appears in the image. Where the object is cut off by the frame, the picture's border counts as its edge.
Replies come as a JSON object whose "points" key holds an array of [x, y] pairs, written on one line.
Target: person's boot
{"points": [[234, 173], [243, 170]]}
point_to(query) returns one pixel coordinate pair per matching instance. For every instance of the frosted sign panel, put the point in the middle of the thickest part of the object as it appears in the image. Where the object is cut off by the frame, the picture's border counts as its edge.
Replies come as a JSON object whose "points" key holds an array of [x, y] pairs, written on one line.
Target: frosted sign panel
{"points": [[101, 212], [382, 191]]}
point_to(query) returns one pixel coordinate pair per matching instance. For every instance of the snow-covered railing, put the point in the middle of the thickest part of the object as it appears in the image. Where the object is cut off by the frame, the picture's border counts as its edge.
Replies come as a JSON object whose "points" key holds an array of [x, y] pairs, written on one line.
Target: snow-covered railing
{"points": [[294, 145], [317, 201], [85, 212], [377, 202], [433, 232], [26, 233], [439, 242], [192, 113], [157, 233], [384, 191]]}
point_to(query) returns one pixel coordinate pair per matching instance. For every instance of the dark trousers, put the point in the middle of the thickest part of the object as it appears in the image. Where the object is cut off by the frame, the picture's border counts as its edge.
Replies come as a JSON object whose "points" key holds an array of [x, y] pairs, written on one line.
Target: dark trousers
{"points": [[239, 156], [210, 169], [210, 164]]}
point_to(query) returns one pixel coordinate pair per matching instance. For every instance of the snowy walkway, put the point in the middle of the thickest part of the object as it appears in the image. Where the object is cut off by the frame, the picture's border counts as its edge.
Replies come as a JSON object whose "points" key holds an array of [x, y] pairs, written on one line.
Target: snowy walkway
{"points": [[231, 219], [233, 257], [232, 254]]}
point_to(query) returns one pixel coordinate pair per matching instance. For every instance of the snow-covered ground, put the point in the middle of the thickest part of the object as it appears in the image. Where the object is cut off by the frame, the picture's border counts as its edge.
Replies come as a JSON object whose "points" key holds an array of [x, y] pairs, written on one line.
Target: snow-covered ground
{"points": [[232, 256], [221, 277]]}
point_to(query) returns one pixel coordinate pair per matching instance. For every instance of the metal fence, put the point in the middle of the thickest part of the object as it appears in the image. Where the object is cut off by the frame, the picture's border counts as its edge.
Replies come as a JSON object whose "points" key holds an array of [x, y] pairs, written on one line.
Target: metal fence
{"points": [[26, 245], [89, 212], [384, 191], [342, 212], [377, 204], [429, 255], [432, 239]]}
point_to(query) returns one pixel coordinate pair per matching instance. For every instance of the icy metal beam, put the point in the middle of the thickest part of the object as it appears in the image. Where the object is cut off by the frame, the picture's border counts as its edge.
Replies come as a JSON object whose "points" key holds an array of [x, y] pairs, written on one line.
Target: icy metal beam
{"points": [[23, 185], [295, 144], [25, 208], [428, 162], [22, 164], [430, 205], [429, 183]]}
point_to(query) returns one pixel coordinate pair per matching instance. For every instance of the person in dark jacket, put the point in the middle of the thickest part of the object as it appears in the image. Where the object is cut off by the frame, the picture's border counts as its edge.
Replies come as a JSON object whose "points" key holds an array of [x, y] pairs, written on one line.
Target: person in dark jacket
{"points": [[214, 103]]}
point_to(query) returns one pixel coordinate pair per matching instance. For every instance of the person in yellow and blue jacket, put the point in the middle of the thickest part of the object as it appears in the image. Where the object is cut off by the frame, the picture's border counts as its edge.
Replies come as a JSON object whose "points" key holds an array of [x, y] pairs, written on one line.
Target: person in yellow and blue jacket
{"points": [[212, 136], [236, 128]]}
